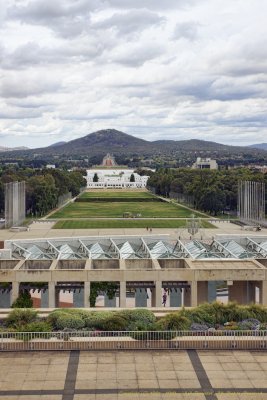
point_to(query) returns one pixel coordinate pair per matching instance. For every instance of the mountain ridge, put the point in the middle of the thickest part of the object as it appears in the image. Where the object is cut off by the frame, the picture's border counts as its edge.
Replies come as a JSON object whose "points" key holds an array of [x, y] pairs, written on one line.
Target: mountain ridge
{"points": [[120, 143]]}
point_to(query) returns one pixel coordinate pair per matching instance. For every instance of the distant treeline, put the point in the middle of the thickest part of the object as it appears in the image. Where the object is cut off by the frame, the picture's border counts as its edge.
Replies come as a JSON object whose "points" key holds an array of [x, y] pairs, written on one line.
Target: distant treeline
{"points": [[212, 191], [44, 187]]}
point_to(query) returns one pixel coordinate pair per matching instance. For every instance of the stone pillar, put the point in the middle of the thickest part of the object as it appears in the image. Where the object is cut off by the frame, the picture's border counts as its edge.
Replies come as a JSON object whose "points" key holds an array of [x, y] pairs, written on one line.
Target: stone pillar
{"points": [[123, 294], [263, 293], [44, 299], [140, 298], [212, 291], [202, 291], [190, 295], [239, 292], [86, 294], [175, 298], [194, 302], [52, 294], [14, 292], [187, 297], [78, 298], [109, 302], [252, 292], [156, 300], [5, 300]]}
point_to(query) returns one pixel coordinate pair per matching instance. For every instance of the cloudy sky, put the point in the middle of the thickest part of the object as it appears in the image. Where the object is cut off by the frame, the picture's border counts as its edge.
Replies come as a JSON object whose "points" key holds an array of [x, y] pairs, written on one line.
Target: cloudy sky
{"points": [[157, 69]]}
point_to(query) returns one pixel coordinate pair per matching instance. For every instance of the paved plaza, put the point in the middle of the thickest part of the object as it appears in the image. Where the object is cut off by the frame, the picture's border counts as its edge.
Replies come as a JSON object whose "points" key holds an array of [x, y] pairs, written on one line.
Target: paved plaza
{"points": [[147, 375], [45, 229]]}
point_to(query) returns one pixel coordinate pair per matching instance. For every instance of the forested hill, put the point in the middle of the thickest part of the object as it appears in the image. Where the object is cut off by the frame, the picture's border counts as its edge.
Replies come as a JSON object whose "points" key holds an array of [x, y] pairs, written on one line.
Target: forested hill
{"points": [[119, 143]]}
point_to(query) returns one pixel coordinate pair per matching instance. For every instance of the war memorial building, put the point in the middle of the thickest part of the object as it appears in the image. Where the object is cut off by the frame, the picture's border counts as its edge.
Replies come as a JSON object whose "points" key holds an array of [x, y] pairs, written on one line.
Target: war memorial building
{"points": [[111, 176]]}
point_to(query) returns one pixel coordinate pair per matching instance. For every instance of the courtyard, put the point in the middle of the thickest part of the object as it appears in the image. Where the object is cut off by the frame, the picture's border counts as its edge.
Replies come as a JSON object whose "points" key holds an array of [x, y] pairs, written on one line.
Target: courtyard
{"points": [[153, 375]]}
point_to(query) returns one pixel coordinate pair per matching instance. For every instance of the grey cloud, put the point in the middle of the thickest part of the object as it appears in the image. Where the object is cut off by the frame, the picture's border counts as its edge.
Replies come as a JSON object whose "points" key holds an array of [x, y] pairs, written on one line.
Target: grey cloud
{"points": [[31, 54], [187, 30], [131, 21], [43, 10], [150, 4], [66, 17], [25, 85], [136, 56], [20, 114]]}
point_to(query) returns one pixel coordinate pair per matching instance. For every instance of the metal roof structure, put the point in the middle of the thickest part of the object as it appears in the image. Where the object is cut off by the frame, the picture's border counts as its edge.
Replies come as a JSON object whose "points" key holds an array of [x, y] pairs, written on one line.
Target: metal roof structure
{"points": [[135, 247]]}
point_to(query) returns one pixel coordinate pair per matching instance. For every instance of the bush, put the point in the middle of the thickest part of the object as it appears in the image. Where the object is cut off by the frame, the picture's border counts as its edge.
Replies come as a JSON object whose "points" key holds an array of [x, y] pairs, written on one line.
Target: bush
{"points": [[23, 301], [19, 317], [174, 322], [156, 335], [199, 315], [96, 319], [114, 323], [199, 327], [258, 311], [69, 321], [137, 317], [38, 326], [249, 324]]}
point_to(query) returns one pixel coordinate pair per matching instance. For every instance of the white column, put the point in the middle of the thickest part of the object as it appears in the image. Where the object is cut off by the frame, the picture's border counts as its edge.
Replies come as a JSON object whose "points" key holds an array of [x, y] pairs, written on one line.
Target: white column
{"points": [[194, 294], [86, 293], [158, 294], [52, 294], [123, 294], [14, 292]]}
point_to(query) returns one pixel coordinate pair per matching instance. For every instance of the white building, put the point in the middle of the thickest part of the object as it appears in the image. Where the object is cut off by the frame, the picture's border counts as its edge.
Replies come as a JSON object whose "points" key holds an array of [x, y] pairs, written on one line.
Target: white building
{"points": [[115, 178], [205, 163]]}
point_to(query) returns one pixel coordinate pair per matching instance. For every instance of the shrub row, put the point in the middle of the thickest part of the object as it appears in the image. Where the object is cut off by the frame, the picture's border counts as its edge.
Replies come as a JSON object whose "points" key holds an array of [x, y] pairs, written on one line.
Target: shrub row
{"points": [[201, 318]]}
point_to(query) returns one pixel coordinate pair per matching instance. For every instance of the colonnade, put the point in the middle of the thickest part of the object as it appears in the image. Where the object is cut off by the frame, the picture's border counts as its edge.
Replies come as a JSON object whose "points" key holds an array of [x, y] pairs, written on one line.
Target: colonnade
{"points": [[197, 292]]}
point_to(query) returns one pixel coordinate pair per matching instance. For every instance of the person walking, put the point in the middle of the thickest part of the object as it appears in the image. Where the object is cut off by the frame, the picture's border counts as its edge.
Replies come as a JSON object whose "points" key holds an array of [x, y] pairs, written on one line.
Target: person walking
{"points": [[164, 299]]}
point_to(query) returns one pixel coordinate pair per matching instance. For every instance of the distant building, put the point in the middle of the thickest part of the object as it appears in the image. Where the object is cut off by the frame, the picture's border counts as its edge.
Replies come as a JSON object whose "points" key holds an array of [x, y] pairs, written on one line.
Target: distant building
{"points": [[50, 166], [205, 163], [109, 161], [115, 178]]}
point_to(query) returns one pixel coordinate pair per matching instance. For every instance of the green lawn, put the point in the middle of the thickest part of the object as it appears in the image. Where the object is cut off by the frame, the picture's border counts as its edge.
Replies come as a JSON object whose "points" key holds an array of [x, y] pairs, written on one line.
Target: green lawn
{"points": [[126, 223], [116, 193], [95, 209]]}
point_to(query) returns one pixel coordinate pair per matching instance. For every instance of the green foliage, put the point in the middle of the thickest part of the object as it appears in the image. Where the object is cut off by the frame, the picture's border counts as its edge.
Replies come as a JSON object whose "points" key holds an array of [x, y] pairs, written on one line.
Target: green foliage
{"points": [[99, 287], [43, 186], [38, 326], [19, 317], [138, 319], [126, 223], [132, 178], [96, 319], [114, 323], [153, 335], [258, 311], [24, 300], [198, 315], [67, 319], [95, 178], [174, 322], [212, 190]]}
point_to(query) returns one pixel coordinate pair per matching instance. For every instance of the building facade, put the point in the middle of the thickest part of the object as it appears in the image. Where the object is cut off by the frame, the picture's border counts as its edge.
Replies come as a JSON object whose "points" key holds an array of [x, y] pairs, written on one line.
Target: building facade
{"points": [[115, 178], [205, 163]]}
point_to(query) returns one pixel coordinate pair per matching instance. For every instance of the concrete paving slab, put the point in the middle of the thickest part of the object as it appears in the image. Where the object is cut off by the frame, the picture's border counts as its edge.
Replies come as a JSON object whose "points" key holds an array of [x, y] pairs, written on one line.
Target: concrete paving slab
{"points": [[193, 382]]}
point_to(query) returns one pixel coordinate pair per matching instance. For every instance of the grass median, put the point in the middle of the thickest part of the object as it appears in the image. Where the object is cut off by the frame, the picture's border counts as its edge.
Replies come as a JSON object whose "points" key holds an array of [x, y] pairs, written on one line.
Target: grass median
{"points": [[126, 223]]}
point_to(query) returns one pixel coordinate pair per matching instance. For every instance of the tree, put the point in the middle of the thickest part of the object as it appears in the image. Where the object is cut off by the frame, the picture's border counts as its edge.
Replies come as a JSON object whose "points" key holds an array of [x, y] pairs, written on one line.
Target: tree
{"points": [[95, 178], [99, 287], [23, 301], [132, 178]]}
